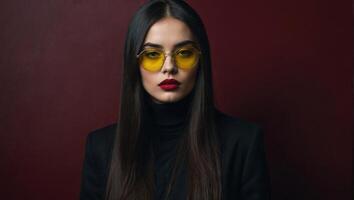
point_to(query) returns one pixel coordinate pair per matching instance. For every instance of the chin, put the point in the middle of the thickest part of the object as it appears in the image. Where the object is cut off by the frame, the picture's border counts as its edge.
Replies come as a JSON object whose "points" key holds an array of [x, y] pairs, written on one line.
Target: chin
{"points": [[168, 98]]}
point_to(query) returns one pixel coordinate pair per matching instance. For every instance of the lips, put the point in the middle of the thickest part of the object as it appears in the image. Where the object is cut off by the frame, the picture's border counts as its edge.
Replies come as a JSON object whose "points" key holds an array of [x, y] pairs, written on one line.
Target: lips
{"points": [[169, 81], [169, 84]]}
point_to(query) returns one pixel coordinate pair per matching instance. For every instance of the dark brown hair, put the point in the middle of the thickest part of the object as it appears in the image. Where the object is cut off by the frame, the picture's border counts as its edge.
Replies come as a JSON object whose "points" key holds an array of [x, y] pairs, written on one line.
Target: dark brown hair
{"points": [[131, 170]]}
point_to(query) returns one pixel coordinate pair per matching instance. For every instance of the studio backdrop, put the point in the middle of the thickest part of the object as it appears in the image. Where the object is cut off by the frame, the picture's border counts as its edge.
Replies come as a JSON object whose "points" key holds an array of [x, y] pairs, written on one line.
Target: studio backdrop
{"points": [[285, 65]]}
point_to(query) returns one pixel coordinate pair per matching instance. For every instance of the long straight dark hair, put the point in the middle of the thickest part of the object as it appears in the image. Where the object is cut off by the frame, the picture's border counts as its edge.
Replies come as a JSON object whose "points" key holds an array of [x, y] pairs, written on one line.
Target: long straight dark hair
{"points": [[131, 170]]}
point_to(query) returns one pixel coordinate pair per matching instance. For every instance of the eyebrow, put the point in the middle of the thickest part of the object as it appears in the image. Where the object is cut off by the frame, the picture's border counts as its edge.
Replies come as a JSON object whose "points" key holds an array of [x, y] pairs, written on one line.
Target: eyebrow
{"points": [[179, 44]]}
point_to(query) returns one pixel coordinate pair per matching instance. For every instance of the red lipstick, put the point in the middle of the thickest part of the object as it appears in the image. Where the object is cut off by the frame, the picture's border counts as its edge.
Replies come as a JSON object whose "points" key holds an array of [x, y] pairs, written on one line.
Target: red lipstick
{"points": [[169, 84]]}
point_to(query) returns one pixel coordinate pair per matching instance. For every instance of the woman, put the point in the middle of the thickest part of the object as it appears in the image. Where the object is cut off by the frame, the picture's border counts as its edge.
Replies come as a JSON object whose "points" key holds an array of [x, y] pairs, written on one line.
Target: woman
{"points": [[171, 142]]}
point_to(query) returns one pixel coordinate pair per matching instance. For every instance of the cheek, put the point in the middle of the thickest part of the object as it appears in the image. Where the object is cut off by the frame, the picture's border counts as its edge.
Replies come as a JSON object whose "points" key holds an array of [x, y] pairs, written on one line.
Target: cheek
{"points": [[147, 79], [190, 78]]}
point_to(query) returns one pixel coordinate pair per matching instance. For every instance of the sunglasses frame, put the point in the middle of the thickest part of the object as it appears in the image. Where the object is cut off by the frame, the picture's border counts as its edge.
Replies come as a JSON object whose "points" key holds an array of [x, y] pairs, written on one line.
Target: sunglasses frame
{"points": [[171, 54]]}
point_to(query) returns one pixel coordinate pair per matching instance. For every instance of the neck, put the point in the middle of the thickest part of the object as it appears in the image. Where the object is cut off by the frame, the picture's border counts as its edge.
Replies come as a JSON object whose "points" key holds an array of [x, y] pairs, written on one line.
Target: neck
{"points": [[172, 114]]}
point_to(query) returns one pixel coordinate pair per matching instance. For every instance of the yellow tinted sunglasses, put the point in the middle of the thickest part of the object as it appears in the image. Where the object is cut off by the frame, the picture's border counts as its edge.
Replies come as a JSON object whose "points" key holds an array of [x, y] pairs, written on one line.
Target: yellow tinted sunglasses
{"points": [[152, 59]]}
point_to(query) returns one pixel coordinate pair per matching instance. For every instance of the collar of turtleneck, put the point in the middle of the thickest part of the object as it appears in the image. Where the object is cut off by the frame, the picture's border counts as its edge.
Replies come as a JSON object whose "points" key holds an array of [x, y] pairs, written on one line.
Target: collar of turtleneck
{"points": [[170, 117]]}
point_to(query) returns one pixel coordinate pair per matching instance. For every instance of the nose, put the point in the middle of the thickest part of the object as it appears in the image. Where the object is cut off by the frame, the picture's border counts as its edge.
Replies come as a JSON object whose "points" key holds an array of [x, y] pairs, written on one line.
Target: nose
{"points": [[169, 65]]}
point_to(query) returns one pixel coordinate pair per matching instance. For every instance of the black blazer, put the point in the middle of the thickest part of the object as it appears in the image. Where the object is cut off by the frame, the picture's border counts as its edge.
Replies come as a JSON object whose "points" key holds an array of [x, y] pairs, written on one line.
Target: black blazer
{"points": [[243, 160]]}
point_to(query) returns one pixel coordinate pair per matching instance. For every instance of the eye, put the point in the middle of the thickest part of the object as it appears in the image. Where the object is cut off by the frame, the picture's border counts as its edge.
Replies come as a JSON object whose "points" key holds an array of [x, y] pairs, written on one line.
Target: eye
{"points": [[185, 53], [153, 54]]}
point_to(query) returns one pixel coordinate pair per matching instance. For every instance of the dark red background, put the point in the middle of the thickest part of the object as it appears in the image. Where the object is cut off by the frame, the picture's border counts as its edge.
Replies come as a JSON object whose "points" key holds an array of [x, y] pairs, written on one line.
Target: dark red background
{"points": [[283, 64]]}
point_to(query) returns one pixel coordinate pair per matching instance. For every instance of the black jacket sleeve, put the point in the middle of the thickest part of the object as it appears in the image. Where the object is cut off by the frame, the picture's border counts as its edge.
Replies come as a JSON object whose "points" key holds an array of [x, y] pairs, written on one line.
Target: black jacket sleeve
{"points": [[255, 182], [96, 163], [91, 181]]}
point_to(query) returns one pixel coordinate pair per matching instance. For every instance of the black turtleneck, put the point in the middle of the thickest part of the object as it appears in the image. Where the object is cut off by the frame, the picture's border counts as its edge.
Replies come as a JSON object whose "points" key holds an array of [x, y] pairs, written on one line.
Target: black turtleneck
{"points": [[169, 121]]}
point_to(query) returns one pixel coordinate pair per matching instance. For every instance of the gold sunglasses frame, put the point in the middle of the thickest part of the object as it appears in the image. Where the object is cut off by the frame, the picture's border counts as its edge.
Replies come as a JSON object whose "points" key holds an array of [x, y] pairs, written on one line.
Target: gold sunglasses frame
{"points": [[171, 54]]}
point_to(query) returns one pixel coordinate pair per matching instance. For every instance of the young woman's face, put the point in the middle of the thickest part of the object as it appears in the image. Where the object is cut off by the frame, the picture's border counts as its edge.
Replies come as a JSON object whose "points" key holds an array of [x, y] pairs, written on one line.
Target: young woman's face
{"points": [[168, 35]]}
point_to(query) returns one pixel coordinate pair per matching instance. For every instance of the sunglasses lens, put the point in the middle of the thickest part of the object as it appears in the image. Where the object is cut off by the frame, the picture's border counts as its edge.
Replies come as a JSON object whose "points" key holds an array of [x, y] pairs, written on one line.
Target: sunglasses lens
{"points": [[186, 58], [151, 59]]}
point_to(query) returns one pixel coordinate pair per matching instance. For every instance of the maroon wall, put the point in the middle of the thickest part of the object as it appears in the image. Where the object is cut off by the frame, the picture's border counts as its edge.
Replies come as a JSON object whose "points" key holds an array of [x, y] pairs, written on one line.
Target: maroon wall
{"points": [[283, 64]]}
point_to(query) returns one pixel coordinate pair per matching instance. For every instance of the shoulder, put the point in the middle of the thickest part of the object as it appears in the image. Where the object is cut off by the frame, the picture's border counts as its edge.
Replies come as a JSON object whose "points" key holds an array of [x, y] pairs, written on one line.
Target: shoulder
{"points": [[243, 158], [103, 134], [233, 130], [234, 126], [99, 142], [96, 162]]}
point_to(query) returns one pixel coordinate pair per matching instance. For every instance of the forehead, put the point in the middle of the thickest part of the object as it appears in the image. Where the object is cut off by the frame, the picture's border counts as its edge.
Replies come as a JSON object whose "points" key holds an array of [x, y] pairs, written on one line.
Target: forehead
{"points": [[167, 32]]}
